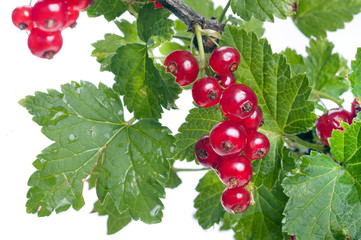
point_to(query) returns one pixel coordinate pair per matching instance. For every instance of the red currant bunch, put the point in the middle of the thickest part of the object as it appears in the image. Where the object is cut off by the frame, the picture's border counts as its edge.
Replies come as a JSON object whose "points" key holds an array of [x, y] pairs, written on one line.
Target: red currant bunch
{"points": [[222, 149], [45, 21]]}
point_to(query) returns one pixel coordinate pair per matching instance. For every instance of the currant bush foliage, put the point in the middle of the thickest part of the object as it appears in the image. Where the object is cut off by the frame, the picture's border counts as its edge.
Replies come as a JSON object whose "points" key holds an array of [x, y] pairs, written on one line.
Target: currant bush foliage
{"points": [[129, 162]]}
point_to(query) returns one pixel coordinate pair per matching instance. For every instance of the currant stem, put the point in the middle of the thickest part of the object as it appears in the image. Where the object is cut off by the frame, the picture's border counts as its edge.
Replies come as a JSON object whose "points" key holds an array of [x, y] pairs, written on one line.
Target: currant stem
{"points": [[223, 14], [214, 42], [132, 10], [202, 55], [319, 94], [190, 169], [298, 140]]}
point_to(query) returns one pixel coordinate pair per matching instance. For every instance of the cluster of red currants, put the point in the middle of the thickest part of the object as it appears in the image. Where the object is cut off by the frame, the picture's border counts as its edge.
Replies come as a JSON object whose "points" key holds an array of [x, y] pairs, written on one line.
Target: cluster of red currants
{"points": [[332, 119], [45, 21], [222, 149]]}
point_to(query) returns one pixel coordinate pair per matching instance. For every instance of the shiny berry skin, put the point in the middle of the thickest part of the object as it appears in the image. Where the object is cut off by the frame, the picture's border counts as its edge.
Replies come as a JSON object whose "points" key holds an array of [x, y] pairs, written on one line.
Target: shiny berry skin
{"points": [[77, 5], [235, 171], [257, 145], [330, 121], [183, 65], [254, 121], [226, 81], [157, 5], [49, 15], [238, 101], [228, 138], [73, 15], [206, 92], [21, 17], [224, 60], [235, 200], [44, 44], [205, 154], [355, 108]]}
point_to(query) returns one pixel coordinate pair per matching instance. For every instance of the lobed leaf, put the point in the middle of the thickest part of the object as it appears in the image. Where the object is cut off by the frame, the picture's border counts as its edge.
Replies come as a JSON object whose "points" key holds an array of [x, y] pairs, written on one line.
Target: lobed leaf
{"points": [[314, 18], [325, 193], [145, 85], [263, 10], [154, 26], [87, 126]]}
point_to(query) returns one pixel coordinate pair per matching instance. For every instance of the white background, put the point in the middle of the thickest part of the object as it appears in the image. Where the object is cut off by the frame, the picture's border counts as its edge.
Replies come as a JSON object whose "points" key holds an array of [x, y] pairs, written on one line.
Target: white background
{"points": [[22, 74]]}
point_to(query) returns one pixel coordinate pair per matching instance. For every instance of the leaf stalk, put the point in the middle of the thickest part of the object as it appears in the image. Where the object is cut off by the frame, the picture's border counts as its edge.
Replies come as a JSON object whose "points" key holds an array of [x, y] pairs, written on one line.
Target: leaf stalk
{"points": [[313, 146]]}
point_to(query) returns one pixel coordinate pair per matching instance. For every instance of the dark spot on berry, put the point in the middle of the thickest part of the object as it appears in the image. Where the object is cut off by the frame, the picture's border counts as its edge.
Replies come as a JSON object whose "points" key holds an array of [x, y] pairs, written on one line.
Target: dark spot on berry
{"points": [[260, 152], [172, 67], [237, 209], [202, 153], [233, 67], [227, 146], [73, 25], [212, 95], [49, 23], [49, 54], [261, 123], [23, 26], [247, 107], [232, 182]]}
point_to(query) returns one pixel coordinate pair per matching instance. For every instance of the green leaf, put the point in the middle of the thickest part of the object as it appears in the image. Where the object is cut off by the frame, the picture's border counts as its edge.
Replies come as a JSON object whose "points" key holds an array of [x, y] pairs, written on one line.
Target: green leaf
{"points": [[173, 180], [263, 10], [199, 122], [87, 126], [207, 203], [253, 25], [323, 67], [296, 61], [325, 196], [205, 8], [314, 18], [145, 85], [355, 76], [261, 221], [116, 220], [283, 99], [153, 25], [111, 9], [105, 49]]}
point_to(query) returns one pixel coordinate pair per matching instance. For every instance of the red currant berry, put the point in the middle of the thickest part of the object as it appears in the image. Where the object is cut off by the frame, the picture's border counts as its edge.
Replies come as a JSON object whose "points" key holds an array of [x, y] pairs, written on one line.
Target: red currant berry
{"points": [[235, 200], [77, 5], [228, 138], [226, 81], [21, 17], [206, 92], [183, 65], [292, 237], [235, 172], [157, 5], [254, 121], [330, 121], [44, 44], [224, 60], [355, 108], [71, 20], [205, 154], [238, 101], [257, 145], [49, 15]]}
